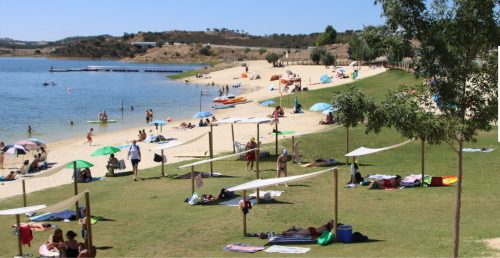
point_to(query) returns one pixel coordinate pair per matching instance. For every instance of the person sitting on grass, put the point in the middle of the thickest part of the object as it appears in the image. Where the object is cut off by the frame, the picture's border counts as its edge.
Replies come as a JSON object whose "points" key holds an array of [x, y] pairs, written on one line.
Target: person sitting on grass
{"points": [[314, 232], [56, 240], [386, 183], [112, 165], [85, 175], [329, 119], [72, 246]]}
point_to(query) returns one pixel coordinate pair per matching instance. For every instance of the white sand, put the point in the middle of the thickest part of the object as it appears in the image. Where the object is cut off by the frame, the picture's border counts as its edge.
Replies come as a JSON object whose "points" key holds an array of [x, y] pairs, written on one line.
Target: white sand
{"points": [[63, 152]]}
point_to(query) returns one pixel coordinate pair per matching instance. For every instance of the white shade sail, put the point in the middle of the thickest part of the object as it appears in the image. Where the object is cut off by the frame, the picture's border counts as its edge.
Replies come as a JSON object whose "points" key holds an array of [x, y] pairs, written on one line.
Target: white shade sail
{"points": [[365, 151], [64, 204], [261, 183], [22, 210], [215, 159]]}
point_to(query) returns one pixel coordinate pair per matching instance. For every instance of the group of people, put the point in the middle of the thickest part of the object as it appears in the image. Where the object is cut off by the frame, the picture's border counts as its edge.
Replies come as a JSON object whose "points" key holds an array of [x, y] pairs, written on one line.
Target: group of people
{"points": [[207, 122], [142, 135], [149, 116], [277, 113], [103, 117], [251, 156], [224, 90]]}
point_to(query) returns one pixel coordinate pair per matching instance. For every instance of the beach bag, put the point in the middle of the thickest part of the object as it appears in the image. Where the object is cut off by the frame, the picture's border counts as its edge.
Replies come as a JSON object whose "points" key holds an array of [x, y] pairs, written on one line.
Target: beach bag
{"points": [[326, 238], [158, 158]]}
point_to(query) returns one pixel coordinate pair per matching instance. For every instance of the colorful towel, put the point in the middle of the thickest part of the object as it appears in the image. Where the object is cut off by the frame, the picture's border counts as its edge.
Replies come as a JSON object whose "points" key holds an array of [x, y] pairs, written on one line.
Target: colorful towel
{"points": [[380, 176], [287, 249], [243, 248], [284, 132]]}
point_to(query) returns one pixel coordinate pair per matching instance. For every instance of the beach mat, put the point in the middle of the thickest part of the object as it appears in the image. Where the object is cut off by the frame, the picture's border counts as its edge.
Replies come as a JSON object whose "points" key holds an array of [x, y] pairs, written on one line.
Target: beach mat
{"points": [[283, 239], [243, 248], [284, 132], [477, 150], [287, 249]]}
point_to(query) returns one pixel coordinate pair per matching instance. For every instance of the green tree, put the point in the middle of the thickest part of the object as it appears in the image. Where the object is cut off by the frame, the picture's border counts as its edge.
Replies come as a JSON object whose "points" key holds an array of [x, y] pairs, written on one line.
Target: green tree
{"points": [[352, 106], [247, 49], [457, 41], [359, 49], [327, 59], [262, 51], [206, 51], [316, 54], [327, 37], [272, 58], [401, 109]]}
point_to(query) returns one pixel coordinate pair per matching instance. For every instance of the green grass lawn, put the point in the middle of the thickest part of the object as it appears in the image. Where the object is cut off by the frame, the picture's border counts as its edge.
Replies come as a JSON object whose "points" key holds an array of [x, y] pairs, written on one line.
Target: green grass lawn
{"points": [[150, 217]]}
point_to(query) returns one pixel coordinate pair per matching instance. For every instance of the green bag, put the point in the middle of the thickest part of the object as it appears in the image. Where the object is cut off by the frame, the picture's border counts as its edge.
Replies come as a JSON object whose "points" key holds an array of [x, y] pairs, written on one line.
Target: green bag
{"points": [[326, 238]]}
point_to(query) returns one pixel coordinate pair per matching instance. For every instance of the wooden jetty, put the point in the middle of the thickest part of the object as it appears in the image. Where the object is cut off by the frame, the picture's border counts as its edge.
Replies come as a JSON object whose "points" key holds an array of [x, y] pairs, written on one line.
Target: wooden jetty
{"points": [[127, 69]]}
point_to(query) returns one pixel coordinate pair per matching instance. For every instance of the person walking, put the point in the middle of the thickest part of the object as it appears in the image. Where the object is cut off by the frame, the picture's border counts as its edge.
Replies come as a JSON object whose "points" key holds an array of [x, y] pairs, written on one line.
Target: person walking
{"points": [[134, 153], [250, 156], [89, 136], [281, 165]]}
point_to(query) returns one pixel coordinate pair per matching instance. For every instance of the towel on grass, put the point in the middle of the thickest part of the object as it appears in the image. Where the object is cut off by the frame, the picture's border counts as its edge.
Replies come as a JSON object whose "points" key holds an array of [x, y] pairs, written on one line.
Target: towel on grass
{"points": [[287, 249], [236, 202], [477, 150], [380, 176], [267, 195], [243, 248]]}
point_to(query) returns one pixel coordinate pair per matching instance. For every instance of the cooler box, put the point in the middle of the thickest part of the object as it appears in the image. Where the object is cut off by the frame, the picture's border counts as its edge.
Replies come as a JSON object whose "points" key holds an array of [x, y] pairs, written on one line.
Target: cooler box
{"points": [[345, 233]]}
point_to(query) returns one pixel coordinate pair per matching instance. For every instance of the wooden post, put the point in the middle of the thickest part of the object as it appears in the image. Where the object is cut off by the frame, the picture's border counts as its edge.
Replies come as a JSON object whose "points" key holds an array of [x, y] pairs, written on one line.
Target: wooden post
{"points": [[244, 215], [257, 160], [336, 199], [75, 187], [162, 164], [211, 141], [422, 148], [19, 245], [90, 248], [347, 145], [24, 193], [192, 180], [232, 134], [276, 140]]}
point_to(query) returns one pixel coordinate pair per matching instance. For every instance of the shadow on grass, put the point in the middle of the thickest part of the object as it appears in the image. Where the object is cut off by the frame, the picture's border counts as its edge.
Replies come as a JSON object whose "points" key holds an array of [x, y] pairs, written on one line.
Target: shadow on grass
{"points": [[149, 178], [128, 173], [299, 185], [365, 242], [203, 174], [272, 201], [103, 247]]}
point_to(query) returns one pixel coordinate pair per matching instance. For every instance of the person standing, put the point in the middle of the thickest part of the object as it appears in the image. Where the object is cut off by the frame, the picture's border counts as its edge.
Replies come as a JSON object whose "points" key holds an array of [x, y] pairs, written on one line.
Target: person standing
{"points": [[250, 156], [281, 165], [89, 136], [227, 89], [147, 116], [2, 144], [29, 130], [134, 153]]}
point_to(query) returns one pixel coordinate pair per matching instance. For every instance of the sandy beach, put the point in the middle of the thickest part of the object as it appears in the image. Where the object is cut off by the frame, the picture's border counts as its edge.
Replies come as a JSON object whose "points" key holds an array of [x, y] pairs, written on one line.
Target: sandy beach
{"points": [[62, 152]]}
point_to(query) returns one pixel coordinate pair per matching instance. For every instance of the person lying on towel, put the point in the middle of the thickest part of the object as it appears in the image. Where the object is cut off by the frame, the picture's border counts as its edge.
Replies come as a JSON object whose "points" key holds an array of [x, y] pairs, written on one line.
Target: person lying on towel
{"points": [[386, 183], [310, 231]]}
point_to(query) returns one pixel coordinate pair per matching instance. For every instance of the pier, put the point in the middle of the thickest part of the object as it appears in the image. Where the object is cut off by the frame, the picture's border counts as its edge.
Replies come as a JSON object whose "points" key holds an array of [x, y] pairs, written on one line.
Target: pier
{"points": [[127, 69]]}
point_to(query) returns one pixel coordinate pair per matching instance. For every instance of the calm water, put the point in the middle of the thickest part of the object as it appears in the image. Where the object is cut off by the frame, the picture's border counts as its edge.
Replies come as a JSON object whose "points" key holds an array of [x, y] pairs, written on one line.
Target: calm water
{"points": [[49, 109]]}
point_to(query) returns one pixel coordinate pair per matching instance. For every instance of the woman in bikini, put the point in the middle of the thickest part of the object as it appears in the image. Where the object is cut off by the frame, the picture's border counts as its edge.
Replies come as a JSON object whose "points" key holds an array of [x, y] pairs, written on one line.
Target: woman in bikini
{"points": [[310, 231]]}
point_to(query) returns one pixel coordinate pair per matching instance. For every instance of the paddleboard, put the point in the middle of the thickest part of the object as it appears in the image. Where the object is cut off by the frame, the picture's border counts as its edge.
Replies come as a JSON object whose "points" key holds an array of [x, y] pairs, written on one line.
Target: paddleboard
{"points": [[222, 106], [101, 122]]}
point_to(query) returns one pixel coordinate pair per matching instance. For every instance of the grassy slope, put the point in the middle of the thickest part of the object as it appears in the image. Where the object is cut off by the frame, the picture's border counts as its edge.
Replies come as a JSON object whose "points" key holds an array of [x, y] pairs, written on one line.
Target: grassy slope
{"points": [[152, 220]]}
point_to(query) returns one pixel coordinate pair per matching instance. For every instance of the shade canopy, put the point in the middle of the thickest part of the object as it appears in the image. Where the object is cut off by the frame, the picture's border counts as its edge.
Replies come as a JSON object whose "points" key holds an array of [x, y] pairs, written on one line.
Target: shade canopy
{"points": [[106, 150], [242, 120], [267, 103], [261, 183], [14, 149], [202, 114], [80, 164], [23, 210], [64, 204], [218, 158], [365, 151]]}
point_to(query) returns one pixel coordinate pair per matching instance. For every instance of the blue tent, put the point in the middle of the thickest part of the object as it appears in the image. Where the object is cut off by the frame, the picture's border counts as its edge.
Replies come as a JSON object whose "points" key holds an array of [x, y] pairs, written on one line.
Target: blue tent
{"points": [[325, 79]]}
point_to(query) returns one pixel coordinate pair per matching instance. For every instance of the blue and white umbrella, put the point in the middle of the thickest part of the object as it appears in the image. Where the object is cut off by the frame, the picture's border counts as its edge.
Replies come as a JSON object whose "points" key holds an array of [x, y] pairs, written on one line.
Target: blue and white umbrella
{"points": [[202, 114], [267, 103], [14, 149], [320, 107], [157, 122], [332, 109], [38, 141]]}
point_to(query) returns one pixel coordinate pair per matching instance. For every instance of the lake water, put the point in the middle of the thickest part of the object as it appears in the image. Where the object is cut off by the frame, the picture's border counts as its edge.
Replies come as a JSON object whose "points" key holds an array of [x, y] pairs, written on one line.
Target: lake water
{"points": [[80, 96]]}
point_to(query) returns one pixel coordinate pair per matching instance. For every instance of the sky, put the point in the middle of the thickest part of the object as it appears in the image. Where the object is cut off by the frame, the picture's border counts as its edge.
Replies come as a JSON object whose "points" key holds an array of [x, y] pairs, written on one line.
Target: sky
{"points": [[50, 20]]}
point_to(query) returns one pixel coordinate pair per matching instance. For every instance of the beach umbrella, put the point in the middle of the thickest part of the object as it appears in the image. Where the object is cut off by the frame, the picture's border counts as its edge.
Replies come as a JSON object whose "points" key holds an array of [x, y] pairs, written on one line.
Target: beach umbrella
{"points": [[14, 149], [158, 122], [353, 63], [332, 109], [267, 103], [320, 107], [80, 164], [106, 150], [342, 70], [38, 141], [202, 114], [325, 79]]}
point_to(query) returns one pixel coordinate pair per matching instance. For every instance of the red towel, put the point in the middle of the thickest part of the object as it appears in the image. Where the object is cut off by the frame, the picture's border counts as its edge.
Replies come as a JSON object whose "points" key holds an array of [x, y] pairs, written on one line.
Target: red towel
{"points": [[26, 235]]}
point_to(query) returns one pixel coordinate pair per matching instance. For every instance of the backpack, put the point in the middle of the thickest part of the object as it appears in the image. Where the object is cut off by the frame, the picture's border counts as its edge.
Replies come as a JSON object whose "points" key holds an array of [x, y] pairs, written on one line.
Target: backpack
{"points": [[326, 238]]}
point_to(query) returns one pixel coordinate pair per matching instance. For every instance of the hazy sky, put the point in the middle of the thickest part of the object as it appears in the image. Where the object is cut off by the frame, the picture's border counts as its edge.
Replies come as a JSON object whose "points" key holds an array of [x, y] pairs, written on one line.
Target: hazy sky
{"points": [[57, 19]]}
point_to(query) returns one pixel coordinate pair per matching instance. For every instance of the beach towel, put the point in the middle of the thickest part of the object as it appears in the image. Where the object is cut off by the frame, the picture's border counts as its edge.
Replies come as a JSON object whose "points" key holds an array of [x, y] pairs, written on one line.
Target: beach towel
{"points": [[294, 239], [26, 235], [267, 195], [476, 150], [287, 249], [380, 176], [284, 132], [44, 252], [236, 202], [123, 146], [65, 214], [243, 248], [411, 180], [94, 220], [198, 181]]}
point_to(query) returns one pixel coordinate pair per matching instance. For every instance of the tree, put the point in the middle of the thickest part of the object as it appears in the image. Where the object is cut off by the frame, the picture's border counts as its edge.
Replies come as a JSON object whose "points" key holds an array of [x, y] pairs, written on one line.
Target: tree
{"points": [[206, 51], [359, 49], [401, 109], [352, 106], [247, 49], [316, 54], [456, 50], [272, 58], [262, 51], [327, 37], [327, 59]]}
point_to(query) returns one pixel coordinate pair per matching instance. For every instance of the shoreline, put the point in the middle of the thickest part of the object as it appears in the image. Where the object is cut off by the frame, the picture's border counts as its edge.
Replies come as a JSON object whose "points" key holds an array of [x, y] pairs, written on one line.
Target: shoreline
{"points": [[63, 151]]}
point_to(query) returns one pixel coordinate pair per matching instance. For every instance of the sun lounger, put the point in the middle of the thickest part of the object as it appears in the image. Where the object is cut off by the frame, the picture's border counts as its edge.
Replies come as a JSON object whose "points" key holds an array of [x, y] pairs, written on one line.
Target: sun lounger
{"points": [[294, 239]]}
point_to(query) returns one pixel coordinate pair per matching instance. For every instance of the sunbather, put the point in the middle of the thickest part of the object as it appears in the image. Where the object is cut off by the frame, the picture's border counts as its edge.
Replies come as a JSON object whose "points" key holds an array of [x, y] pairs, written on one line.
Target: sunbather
{"points": [[310, 231], [386, 183], [10, 176]]}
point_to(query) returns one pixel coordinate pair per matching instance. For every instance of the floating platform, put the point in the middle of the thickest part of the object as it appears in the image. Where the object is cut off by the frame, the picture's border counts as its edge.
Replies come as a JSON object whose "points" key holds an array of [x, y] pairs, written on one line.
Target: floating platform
{"points": [[124, 69]]}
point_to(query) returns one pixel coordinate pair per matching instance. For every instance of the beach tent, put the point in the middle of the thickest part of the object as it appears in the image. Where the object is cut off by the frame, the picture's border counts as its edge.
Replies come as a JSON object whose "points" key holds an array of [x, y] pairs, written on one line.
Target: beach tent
{"points": [[261, 183], [325, 79]]}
